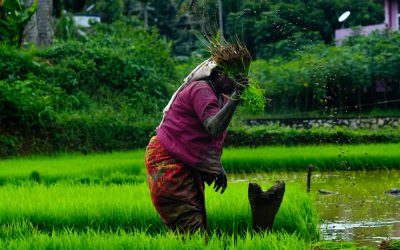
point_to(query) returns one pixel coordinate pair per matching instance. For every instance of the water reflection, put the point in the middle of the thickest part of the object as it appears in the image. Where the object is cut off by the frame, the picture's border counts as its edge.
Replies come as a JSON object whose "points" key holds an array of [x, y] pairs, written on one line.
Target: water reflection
{"points": [[357, 210]]}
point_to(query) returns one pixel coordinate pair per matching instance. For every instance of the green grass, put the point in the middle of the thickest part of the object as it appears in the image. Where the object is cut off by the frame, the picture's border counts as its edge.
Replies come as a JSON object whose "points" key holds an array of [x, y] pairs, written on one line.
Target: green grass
{"points": [[129, 207]]}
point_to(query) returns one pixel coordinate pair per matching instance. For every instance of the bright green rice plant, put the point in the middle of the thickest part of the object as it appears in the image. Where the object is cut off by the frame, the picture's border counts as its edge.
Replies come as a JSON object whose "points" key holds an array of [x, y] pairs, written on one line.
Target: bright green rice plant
{"points": [[116, 167], [253, 98], [322, 157], [129, 207], [120, 239], [128, 167]]}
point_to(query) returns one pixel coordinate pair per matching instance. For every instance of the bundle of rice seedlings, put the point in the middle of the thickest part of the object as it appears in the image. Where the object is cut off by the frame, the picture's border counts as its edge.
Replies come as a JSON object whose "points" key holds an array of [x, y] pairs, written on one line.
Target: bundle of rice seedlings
{"points": [[234, 59], [253, 98]]}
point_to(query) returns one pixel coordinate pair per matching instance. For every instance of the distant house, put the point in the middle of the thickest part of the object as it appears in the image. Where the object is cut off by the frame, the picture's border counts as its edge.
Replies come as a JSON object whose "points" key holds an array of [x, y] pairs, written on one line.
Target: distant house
{"points": [[85, 20], [392, 20]]}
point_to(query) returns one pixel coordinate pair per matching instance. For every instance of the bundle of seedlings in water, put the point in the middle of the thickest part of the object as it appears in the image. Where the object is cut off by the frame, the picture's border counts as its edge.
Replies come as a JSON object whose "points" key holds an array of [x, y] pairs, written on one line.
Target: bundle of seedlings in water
{"points": [[234, 59]]}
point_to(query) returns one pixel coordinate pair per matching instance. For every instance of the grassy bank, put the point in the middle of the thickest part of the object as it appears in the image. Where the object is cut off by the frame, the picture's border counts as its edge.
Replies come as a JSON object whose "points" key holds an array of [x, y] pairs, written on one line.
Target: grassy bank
{"points": [[262, 135]]}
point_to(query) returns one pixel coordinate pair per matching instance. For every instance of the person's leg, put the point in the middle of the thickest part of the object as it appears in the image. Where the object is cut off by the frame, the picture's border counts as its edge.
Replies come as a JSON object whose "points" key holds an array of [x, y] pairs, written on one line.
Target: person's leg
{"points": [[177, 191], [190, 222]]}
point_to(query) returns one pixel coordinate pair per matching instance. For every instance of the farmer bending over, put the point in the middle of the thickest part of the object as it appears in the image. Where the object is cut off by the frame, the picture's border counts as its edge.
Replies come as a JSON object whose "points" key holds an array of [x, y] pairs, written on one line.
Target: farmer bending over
{"points": [[186, 152]]}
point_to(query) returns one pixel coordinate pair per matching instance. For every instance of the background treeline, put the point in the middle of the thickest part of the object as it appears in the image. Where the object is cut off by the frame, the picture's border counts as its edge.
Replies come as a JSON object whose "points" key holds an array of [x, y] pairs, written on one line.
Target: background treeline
{"points": [[361, 75], [269, 28]]}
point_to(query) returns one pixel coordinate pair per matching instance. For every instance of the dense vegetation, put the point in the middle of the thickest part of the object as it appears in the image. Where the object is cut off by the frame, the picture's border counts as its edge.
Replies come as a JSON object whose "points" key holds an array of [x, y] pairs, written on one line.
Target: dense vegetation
{"points": [[269, 28], [14, 16], [360, 75], [255, 136], [84, 95]]}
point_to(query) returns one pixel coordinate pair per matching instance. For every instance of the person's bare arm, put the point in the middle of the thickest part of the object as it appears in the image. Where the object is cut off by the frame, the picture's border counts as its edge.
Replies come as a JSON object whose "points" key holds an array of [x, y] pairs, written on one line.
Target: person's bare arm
{"points": [[217, 124]]}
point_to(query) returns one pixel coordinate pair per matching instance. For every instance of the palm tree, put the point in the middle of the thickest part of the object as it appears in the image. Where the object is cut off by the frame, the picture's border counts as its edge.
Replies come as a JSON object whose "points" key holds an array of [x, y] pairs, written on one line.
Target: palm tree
{"points": [[145, 9], [44, 22], [39, 29], [30, 31], [220, 20]]}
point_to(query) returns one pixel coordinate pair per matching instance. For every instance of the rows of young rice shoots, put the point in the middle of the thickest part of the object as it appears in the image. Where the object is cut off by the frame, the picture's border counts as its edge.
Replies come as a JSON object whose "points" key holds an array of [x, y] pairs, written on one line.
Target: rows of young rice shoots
{"points": [[323, 158], [69, 239], [128, 167], [128, 207], [116, 167]]}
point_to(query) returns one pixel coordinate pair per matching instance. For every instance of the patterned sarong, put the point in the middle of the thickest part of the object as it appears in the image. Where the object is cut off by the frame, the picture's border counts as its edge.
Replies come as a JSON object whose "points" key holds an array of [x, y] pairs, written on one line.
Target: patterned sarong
{"points": [[177, 191]]}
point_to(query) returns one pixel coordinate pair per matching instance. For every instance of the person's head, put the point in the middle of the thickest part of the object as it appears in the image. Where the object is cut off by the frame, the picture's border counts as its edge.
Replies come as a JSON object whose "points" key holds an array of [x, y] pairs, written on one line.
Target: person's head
{"points": [[221, 82], [234, 58]]}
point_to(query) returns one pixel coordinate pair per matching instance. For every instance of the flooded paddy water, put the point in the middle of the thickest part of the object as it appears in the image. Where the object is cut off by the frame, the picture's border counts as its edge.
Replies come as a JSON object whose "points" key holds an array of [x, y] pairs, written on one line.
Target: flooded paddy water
{"points": [[352, 205]]}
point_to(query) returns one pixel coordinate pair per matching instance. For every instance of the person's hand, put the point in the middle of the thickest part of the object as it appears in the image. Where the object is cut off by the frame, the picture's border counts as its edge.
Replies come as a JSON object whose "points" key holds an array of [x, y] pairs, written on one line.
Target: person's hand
{"points": [[221, 181], [242, 82]]}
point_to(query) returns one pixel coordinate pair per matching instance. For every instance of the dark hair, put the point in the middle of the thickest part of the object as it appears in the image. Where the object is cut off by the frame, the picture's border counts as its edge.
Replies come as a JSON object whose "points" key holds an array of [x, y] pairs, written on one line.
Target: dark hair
{"points": [[215, 73]]}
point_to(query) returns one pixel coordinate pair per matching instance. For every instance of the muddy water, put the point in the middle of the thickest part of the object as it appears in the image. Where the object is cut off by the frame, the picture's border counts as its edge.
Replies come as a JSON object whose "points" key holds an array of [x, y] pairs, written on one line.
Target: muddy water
{"points": [[357, 210]]}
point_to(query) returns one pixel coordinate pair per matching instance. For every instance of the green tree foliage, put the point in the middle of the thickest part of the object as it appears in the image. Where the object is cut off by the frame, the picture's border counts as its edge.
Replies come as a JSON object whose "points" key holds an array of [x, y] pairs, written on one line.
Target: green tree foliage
{"points": [[116, 58], [110, 10], [269, 28], [326, 78], [65, 27], [279, 28], [103, 93], [13, 18]]}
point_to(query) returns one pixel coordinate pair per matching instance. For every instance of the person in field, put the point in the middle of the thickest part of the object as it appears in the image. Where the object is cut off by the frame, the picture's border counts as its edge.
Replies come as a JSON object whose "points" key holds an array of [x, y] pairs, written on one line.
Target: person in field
{"points": [[186, 151]]}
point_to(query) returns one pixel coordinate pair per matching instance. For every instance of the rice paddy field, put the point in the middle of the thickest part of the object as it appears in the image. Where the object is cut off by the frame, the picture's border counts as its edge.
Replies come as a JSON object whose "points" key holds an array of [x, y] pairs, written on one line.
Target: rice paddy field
{"points": [[101, 201], [128, 167]]}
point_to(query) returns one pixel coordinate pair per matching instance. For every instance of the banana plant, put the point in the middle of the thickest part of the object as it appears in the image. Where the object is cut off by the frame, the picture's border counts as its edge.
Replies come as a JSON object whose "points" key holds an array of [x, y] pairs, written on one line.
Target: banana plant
{"points": [[13, 18]]}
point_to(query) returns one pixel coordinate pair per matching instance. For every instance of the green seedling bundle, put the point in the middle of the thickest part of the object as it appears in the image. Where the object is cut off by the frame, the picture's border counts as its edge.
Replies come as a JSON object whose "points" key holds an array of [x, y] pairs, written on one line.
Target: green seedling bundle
{"points": [[234, 59]]}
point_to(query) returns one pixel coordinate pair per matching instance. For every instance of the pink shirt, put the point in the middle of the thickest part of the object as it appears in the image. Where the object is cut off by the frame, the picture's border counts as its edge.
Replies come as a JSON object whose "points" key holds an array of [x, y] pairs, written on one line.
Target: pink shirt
{"points": [[183, 134]]}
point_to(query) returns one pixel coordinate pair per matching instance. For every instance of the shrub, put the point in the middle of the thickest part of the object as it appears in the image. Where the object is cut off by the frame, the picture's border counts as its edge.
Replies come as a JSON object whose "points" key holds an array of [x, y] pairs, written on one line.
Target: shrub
{"points": [[28, 103], [15, 64], [272, 135], [101, 94]]}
